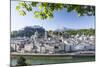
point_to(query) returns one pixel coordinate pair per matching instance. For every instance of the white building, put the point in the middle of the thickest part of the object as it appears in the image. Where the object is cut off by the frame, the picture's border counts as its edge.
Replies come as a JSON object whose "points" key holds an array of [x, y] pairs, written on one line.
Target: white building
{"points": [[28, 47]]}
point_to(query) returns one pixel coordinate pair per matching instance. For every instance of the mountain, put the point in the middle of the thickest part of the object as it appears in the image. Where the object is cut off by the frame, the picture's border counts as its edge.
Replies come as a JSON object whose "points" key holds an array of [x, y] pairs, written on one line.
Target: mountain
{"points": [[62, 29]]}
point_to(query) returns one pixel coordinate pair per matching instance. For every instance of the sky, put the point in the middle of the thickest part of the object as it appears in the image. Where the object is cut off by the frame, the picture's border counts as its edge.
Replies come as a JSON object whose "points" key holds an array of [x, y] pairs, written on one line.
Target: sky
{"points": [[61, 19]]}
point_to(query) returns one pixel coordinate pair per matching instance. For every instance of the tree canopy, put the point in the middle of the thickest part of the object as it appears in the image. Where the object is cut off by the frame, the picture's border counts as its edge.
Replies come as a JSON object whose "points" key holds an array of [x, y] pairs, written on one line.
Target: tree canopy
{"points": [[21, 61], [46, 10]]}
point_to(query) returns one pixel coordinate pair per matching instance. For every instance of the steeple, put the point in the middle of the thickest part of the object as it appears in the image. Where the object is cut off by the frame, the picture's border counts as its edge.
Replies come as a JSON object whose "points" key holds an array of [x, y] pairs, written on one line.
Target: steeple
{"points": [[45, 35], [36, 34], [34, 37]]}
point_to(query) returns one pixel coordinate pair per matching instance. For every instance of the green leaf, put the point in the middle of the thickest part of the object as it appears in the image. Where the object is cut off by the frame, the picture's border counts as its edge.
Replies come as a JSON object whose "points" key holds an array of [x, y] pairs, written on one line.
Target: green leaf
{"points": [[70, 8], [28, 7], [21, 12], [40, 7], [34, 4], [22, 4], [17, 7]]}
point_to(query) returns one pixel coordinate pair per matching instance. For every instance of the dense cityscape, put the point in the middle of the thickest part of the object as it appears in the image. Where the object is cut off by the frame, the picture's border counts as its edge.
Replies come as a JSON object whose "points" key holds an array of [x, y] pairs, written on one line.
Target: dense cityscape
{"points": [[53, 44]]}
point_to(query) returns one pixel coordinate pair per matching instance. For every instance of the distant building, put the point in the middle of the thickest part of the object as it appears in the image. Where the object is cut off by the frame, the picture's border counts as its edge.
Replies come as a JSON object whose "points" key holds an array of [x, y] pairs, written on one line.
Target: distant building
{"points": [[50, 45]]}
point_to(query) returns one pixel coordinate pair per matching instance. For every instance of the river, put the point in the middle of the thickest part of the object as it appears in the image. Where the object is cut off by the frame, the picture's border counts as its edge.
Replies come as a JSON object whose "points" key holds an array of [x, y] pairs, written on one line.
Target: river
{"points": [[41, 60]]}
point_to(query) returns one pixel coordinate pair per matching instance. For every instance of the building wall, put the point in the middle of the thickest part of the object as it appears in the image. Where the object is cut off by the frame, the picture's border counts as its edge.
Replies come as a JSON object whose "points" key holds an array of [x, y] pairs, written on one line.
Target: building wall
{"points": [[28, 47]]}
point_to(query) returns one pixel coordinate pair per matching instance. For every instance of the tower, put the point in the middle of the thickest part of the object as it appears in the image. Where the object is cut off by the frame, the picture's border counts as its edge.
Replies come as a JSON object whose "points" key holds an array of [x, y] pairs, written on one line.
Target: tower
{"points": [[36, 35], [45, 35], [34, 38]]}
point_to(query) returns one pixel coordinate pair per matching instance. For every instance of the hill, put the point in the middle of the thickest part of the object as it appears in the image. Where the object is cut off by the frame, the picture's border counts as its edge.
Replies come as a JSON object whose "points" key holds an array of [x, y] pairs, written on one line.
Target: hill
{"points": [[28, 31]]}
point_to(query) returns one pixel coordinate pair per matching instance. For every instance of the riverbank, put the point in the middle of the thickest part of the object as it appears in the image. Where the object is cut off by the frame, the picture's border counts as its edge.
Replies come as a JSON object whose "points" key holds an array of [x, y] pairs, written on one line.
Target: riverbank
{"points": [[51, 59], [58, 54]]}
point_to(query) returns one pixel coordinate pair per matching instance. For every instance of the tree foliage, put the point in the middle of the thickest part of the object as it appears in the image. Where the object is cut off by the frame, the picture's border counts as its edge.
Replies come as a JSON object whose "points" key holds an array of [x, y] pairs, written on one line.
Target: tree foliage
{"points": [[46, 10], [86, 32], [21, 61]]}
